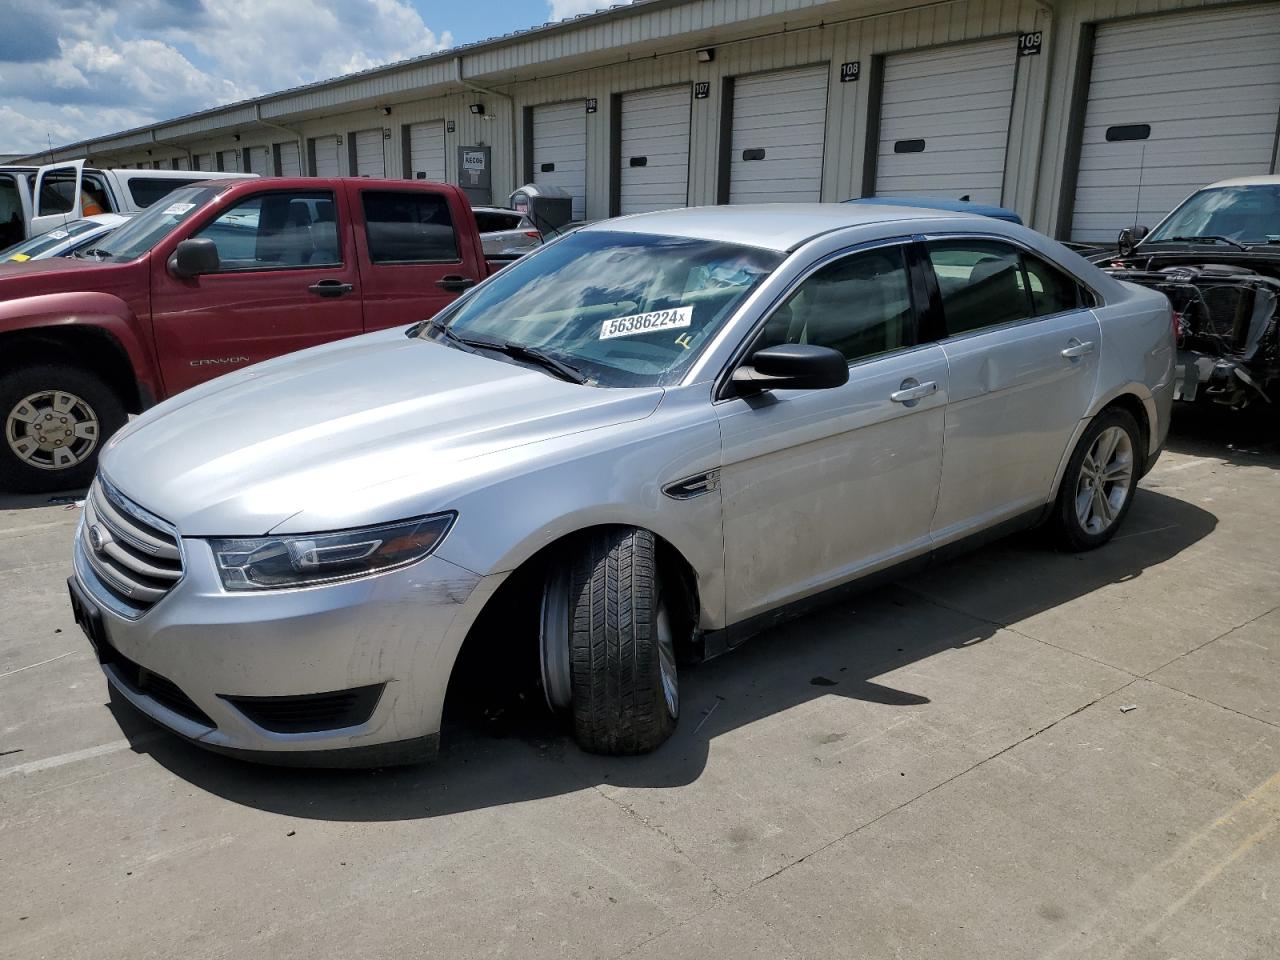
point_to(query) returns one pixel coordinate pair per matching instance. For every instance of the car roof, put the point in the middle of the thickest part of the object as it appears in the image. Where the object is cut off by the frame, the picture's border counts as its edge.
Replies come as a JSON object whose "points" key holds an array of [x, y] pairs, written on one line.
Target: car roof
{"points": [[1265, 180], [774, 226], [943, 203], [486, 209]]}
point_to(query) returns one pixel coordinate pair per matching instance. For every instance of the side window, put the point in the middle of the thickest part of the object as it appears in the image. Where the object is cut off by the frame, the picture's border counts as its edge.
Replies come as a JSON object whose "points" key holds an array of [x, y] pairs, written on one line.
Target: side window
{"points": [[13, 227], [981, 283], [147, 190], [276, 230], [1052, 291], [489, 222], [408, 227], [57, 192], [94, 198], [859, 305]]}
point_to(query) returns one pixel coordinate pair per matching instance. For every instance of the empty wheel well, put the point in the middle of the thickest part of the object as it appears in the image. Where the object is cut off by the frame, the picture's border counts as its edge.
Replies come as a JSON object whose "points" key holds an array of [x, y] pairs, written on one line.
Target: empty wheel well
{"points": [[87, 348], [498, 664]]}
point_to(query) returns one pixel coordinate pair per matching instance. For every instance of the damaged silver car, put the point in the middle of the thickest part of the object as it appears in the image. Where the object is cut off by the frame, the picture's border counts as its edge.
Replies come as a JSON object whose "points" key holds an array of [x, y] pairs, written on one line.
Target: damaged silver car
{"points": [[1217, 258]]}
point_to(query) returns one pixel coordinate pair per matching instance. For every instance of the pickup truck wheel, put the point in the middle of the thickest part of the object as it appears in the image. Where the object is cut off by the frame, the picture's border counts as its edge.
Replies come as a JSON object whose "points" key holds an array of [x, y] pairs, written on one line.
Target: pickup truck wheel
{"points": [[624, 689], [1100, 481], [56, 419]]}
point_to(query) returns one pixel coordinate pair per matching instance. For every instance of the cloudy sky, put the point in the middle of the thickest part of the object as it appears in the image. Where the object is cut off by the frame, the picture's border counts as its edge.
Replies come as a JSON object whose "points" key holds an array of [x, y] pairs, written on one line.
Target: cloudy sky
{"points": [[80, 68]]}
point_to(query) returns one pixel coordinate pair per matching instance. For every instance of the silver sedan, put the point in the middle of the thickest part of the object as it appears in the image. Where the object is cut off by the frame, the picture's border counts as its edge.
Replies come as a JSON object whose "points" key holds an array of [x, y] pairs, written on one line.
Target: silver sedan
{"points": [[633, 448]]}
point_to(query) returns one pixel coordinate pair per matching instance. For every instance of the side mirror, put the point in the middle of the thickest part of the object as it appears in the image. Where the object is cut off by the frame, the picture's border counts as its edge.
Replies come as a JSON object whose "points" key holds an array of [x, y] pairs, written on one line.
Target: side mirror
{"points": [[194, 258], [792, 366], [1129, 238]]}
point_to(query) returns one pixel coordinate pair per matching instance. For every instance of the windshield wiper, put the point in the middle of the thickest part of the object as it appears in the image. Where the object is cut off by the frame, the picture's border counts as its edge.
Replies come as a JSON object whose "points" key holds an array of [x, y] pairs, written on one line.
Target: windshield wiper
{"points": [[1207, 238], [519, 351]]}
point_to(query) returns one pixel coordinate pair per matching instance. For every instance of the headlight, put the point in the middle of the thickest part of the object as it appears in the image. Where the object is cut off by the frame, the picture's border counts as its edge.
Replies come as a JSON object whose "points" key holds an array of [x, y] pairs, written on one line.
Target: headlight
{"points": [[266, 563]]}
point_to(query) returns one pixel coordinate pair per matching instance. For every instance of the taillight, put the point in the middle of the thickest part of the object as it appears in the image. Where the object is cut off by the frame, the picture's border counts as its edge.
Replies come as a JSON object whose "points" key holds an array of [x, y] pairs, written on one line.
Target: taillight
{"points": [[533, 234]]}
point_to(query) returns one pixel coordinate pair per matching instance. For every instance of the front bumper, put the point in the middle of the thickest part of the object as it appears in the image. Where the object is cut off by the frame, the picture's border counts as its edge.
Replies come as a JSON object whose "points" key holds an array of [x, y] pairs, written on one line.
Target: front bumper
{"points": [[398, 632]]}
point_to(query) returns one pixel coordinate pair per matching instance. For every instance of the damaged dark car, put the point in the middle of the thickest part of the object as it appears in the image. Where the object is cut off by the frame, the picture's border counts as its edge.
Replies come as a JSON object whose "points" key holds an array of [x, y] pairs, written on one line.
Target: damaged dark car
{"points": [[1217, 258]]}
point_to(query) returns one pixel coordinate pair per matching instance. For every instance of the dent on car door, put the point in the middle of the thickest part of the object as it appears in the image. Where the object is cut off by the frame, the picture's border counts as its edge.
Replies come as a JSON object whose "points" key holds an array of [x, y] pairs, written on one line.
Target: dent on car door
{"points": [[821, 486], [1022, 352]]}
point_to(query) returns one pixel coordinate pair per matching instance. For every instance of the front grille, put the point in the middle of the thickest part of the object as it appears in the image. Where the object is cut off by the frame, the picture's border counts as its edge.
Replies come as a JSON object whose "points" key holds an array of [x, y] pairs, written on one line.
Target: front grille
{"points": [[148, 683], [311, 712], [134, 554]]}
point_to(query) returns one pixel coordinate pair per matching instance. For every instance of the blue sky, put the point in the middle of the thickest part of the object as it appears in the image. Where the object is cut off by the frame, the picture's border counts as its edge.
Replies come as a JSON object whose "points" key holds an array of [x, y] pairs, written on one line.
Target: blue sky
{"points": [[75, 69]]}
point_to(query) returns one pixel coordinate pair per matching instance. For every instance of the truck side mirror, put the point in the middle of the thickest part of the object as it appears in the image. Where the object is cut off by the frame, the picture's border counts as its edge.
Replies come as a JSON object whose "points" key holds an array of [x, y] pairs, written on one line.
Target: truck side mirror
{"points": [[194, 258], [1129, 238]]}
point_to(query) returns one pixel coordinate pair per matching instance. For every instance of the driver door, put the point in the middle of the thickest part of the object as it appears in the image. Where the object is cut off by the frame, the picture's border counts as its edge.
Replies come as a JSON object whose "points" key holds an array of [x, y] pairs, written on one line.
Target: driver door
{"points": [[56, 196], [822, 486]]}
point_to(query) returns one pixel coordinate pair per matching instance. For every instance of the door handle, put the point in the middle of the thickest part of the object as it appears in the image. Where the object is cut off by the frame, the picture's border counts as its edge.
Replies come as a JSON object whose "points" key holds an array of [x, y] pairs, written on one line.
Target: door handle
{"points": [[913, 390], [1078, 348], [454, 282], [330, 288]]}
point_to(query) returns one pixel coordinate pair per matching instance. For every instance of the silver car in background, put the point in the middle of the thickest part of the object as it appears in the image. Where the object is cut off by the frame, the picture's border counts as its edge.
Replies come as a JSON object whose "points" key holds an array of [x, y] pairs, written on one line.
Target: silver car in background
{"points": [[632, 448], [505, 231]]}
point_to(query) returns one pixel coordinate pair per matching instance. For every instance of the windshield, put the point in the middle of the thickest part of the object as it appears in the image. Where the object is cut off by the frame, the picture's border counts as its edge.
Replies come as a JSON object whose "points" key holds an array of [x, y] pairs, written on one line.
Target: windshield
{"points": [[624, 309], [1247, 214], [151, 226], [53, 240]]}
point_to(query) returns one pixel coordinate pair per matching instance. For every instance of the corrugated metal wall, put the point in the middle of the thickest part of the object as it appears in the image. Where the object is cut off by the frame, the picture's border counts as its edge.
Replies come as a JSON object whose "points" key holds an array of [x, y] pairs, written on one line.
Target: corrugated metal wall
{"points": [[656, 46]]}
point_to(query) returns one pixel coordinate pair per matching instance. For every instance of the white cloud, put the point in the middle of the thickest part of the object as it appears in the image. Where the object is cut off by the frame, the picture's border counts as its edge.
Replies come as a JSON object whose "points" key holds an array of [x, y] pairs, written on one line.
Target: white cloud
{"points": [[126, 63], [561, 9]]}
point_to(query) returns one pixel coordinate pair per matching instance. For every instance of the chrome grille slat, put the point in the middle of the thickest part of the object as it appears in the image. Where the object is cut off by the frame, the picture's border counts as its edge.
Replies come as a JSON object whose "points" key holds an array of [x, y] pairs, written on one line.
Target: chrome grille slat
{"points": [[137, 560]]}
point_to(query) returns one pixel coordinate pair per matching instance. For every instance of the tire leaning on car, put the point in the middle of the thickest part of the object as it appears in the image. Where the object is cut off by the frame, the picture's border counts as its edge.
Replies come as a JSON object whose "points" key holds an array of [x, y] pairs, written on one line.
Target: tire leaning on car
{"points": [[54, 420], [1100, 481], [623, 689]]}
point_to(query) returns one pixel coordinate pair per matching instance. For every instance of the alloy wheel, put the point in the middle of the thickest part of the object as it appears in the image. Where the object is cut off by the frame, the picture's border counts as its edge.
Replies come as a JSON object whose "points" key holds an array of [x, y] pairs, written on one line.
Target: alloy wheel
{"points": [[1105, 481]]}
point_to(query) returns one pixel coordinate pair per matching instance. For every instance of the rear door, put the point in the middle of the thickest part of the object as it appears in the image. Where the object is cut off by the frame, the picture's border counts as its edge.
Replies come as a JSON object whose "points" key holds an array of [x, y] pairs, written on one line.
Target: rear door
{"points": [[288, 281], [56, 195], [1022, 352], [418, 250]]}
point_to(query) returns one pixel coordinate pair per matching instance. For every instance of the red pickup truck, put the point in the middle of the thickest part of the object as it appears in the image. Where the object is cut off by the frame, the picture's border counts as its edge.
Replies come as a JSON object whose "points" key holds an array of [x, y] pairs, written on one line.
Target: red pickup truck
{"points": [[216, 276]]}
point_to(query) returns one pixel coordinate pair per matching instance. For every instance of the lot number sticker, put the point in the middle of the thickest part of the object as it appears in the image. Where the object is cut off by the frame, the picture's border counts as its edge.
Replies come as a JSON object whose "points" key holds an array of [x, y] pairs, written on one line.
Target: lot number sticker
{"points": [[646, 323], [178, 209]]}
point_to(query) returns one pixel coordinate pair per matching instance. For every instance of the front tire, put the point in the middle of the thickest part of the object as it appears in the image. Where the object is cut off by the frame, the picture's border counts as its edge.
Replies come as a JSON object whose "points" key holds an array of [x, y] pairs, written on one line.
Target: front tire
{"points": [[1100, 481], [624, 685], [54, 420]]}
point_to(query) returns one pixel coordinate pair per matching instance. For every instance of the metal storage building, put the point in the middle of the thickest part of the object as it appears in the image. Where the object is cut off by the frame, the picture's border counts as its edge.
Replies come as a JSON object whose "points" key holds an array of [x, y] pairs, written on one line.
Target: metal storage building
{"points": [[1082, 115]]}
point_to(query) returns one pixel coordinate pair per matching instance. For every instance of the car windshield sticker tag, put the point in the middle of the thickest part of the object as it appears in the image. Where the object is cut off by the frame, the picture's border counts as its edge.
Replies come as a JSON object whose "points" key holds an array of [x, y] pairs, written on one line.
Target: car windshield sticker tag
{"points": [[58, 234], [646, 322], [178, 209]]}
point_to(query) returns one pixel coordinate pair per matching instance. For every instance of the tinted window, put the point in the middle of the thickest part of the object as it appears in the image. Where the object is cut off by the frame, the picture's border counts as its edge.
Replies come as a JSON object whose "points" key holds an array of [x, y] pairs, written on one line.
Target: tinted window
{"points": [[859, 305], [12, 223], [981, 283], [146, 191], [489, 222], [408, 227], [1052, 291], [58, 193], [276, 230]]}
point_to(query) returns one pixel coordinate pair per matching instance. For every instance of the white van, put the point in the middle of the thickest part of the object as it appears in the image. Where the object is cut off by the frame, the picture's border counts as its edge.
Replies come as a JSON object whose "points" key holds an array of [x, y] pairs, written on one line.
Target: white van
{"points": [[35, 200]]}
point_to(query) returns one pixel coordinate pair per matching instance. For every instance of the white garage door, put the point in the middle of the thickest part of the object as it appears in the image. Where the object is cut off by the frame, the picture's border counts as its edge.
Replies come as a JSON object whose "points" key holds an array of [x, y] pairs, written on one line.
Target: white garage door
{"points": [[1175, 103], [260, 161], [229, 160], [369, 154], [944, 121], [426, 151], [779, 128], [560, 150], [326, 156], [288, 154], [654, 150], [183, 164], [204, 161]]}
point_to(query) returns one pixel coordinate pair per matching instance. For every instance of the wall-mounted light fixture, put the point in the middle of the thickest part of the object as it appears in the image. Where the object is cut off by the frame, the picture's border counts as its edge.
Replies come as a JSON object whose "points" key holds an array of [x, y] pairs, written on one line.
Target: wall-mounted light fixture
{"points": [[477, 109], [235, 137], [706, 54], [386, 111]]}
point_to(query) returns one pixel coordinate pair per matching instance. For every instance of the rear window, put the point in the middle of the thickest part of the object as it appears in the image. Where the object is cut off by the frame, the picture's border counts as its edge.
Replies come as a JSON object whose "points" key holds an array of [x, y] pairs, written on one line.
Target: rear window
{"points": [[409, 227], [490, 222], [147, 190]]}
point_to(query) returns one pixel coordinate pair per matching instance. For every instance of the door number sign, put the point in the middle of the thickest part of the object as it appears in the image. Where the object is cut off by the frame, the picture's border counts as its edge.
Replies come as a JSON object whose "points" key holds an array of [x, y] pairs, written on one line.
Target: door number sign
{"points": [[1029, 44], [850, 71]]}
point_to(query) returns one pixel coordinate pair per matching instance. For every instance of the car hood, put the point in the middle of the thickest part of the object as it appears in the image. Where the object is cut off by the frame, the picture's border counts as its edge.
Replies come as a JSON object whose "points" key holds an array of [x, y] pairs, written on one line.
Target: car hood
{"points": [[320, 430]]}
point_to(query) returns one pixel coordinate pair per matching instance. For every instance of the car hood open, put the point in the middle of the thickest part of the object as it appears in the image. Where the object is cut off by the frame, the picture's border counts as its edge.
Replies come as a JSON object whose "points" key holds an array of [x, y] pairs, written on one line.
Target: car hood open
{"points": [[325, 427]]}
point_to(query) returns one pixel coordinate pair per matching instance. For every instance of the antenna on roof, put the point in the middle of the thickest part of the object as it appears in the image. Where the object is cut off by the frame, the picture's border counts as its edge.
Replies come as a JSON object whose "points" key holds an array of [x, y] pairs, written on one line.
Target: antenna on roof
{"points": [[1137, 202]]}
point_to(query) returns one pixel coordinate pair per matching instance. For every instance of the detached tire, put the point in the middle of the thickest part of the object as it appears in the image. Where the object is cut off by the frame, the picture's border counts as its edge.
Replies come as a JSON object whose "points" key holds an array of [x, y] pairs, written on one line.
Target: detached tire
{"points": [[54, 420], [625, 695], [1100, 482]]}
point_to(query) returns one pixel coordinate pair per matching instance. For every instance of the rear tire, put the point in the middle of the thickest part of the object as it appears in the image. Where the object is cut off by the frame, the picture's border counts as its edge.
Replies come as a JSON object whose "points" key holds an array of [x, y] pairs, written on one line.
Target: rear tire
{"points": [[54, 420], [1099, 483], [625, 693]]}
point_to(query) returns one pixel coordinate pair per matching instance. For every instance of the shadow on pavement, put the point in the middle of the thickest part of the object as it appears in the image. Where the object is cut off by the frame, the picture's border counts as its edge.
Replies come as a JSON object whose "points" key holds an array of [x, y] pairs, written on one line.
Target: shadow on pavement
{"points": [[34, 501], [1249, 437], [840, 650]]}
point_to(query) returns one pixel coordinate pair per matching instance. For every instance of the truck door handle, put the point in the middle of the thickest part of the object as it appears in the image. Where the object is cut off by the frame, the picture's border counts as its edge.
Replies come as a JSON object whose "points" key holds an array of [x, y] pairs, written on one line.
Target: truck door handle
{"points": [[454, 282], [913, 390], [330, 288], [1078, 348]]}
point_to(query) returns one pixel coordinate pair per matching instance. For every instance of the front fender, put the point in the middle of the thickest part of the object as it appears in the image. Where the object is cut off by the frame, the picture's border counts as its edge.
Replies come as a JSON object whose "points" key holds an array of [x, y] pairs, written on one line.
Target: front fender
{"points": [[51, 313]]}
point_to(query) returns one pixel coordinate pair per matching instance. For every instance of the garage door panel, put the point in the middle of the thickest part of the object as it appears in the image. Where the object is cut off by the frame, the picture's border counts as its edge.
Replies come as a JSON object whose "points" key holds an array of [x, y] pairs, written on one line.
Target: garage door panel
{"points": [[957, 102], [654, 124], [785, 115], [427, 151], [560, 139], [326, 156], [1207, 83]]}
